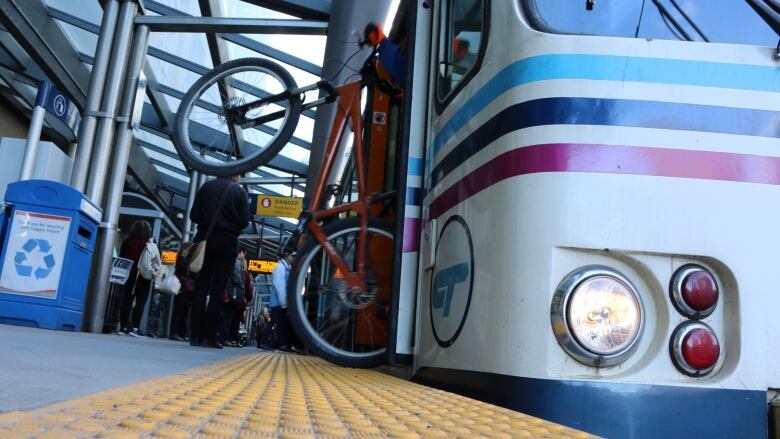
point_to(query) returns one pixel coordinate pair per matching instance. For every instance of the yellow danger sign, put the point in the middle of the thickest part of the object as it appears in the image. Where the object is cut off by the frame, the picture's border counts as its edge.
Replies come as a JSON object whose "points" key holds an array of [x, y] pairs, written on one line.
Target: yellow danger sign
{"points": [[261, 266], [168, 257], [288, 207]]}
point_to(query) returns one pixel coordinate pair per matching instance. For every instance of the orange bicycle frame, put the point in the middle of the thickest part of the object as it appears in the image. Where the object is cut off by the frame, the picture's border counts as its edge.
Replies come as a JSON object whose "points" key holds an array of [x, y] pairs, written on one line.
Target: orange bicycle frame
{"points": [[348, 107]]}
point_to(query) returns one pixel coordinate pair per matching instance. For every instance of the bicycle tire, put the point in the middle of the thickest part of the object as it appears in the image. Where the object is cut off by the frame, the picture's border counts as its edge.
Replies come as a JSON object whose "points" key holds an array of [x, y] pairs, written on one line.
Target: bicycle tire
{"points": [[295, 297], [181, 138]]}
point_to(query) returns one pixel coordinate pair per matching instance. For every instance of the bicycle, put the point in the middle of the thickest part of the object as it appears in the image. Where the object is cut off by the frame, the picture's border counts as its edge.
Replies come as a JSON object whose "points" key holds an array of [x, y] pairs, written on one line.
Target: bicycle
{"points": [[341, 279]]}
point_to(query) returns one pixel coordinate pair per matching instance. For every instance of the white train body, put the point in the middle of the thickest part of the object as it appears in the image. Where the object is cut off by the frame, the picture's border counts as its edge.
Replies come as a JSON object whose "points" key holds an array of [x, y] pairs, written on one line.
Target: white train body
{"points": [[642, 156]]}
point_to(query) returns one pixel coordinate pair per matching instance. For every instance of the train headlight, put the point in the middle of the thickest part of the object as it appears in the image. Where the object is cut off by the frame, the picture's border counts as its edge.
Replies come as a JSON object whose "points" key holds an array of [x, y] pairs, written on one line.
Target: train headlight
{"points": [[597, 316]]}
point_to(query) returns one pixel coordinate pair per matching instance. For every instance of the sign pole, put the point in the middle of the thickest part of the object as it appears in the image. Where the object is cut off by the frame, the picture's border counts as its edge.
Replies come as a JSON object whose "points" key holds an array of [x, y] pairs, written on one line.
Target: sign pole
{"points": [[33, 136], [262, 229], [54, 101]]}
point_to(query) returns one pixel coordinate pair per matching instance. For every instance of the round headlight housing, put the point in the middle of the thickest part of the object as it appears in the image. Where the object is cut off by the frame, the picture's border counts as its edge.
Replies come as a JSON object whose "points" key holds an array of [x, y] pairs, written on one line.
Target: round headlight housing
{"points": [[597, 316]]}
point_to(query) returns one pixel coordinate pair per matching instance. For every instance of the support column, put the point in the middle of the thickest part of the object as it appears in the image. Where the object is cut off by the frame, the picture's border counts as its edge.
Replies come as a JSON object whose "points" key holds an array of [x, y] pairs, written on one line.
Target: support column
{"points": [[97, 80], [107, 234], [33, 138], [194, 180], [348, 18], [106, 124]]}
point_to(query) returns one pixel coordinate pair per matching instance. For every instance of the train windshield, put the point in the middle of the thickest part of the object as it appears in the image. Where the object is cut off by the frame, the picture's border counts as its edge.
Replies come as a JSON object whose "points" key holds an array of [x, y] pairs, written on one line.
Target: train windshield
{"points": [[717, 21]]}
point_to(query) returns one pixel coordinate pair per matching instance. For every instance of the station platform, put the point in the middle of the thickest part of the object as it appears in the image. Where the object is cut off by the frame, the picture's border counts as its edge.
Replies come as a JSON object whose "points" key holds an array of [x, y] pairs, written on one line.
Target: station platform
{"points": [[270, 395]]}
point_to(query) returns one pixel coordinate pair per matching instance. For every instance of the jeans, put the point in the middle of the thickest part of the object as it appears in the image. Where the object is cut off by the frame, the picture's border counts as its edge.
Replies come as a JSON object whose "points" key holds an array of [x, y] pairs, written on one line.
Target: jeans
{"points": [[279, 321]]}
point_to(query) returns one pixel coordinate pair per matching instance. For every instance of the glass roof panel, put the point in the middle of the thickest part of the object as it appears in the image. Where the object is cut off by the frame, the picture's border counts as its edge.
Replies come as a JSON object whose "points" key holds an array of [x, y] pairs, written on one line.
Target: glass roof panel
{"points": [[293, 44], [301, 78], [170, 173], [81, 40], [88, 10], [162, 158], [239, 8], [191, 46], [189, 7], [171, 75]]}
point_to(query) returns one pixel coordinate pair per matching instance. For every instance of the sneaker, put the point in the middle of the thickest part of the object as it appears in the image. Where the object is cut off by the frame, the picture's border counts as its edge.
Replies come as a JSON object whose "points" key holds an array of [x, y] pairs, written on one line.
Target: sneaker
{"points": [[122, 332], [212, 344], [265, 348], [134, 333], [285, 349]]}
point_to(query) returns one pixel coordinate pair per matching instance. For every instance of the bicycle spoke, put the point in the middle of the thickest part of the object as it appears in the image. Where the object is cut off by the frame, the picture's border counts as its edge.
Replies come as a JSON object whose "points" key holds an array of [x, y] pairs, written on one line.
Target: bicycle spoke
{"points": [[216, 108], [347, 320]]}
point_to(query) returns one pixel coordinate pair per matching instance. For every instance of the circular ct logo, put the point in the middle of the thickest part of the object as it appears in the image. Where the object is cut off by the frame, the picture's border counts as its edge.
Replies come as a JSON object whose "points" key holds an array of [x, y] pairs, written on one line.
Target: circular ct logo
{"points": [[59, 105], [453, 281], [266, 202]]}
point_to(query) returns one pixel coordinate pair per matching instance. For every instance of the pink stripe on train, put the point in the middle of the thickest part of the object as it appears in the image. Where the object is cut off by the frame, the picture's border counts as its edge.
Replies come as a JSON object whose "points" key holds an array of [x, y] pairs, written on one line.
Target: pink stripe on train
{"points": [[611, 159]]}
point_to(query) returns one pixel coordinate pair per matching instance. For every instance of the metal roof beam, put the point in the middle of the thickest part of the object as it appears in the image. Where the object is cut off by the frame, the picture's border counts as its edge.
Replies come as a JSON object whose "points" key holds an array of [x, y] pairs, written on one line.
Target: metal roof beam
{"points": [[49, 48], [29, 23], [221, 143], [202, 70], [189, 24], [307, 9], [246, 42], [255, 182]]}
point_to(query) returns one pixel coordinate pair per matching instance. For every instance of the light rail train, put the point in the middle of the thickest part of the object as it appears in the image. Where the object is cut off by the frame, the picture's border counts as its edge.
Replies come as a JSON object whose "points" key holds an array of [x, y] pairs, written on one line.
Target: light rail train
{"points": [[599, 215]]}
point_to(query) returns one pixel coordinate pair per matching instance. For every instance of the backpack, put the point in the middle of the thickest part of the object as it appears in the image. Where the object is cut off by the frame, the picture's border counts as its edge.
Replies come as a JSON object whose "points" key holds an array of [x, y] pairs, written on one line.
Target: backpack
{"points": [[236, 283], [149, 264]]}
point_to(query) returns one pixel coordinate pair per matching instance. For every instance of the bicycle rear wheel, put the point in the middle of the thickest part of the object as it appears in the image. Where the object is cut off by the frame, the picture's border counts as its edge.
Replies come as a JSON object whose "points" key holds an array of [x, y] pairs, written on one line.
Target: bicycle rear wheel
{"points": [[236, 117], [344, 329]]}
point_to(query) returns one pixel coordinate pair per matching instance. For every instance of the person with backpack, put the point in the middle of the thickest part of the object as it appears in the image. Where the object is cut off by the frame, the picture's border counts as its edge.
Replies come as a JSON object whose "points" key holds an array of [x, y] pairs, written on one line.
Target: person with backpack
{"points": [[141, 249], [234, 300], [221, 211]]}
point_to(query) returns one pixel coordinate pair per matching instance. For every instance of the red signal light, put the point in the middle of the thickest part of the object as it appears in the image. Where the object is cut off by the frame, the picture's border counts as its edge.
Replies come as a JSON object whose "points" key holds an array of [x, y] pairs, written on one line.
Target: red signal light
{"points": [[700, 349], [694, 348], [694, 291]]}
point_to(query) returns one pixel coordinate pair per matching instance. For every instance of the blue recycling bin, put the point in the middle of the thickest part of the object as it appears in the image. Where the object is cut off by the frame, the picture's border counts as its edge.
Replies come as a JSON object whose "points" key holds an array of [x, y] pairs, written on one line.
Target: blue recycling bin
{"points": [[47, 247]]}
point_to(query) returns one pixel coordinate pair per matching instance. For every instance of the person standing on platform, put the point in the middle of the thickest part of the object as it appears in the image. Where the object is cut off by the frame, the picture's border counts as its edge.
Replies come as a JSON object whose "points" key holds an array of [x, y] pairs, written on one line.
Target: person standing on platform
{"points": [[278, 324], [181, 303], [238, 293], [136, 287], [221, 211]]}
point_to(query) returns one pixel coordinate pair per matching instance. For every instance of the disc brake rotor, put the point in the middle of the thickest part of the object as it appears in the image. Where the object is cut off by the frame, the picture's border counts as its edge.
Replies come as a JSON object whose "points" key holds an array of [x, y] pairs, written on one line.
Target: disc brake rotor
{"points": [[353, 297]]}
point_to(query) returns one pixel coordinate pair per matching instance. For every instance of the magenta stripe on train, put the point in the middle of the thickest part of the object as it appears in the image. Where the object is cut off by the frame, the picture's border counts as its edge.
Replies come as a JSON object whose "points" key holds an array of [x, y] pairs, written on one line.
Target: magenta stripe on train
{"points": [[611, 159]]}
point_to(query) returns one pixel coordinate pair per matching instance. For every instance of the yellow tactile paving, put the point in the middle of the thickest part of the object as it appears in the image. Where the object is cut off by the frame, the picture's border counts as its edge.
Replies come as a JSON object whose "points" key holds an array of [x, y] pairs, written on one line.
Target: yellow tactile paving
{"points": [[275, 395]]}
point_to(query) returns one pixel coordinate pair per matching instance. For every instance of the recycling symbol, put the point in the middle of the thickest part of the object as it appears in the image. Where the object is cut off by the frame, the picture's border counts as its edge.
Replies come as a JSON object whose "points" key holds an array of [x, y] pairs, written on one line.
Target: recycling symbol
{"points": [[35, 250]]}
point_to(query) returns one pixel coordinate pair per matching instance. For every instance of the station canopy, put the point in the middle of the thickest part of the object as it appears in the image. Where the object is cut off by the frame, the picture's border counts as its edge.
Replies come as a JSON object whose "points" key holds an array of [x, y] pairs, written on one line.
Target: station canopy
{"points": [[56, 39]]}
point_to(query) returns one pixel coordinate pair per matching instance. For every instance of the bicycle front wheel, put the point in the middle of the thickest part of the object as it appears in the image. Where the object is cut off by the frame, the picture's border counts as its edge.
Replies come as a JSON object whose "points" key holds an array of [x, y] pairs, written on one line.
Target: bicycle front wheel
{"points": [[345, 328], [236, 117]]}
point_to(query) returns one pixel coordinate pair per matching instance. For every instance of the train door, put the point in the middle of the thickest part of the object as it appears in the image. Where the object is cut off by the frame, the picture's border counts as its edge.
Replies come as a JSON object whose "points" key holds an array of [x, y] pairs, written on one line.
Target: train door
{"points": [[446, 280]]}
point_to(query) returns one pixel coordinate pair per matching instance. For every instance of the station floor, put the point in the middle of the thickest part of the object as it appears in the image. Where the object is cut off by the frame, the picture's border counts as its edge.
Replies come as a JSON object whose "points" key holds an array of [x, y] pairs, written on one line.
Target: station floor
{"points": [[63, 385]]}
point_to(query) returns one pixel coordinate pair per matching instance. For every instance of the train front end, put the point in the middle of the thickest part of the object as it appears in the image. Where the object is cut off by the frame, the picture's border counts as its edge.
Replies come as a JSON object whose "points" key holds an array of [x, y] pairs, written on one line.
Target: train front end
{"points": [[601, 218]]}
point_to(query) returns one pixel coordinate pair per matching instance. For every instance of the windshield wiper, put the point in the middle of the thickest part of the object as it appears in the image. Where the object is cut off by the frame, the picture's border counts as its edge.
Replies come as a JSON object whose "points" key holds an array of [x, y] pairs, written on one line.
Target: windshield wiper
{"points": [[704, 37], [769, 10], [665, 12]]}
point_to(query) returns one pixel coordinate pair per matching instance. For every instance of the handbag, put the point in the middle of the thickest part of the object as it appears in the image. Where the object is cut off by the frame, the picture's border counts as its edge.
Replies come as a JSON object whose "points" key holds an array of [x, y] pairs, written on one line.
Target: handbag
{"points": [[197, 252], [169, 283]]}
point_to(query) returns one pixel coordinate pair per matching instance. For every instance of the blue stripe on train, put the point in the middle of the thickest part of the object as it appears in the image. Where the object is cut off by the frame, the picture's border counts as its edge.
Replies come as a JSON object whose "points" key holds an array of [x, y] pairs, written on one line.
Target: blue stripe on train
{"points": [[415, 167], [615, 410], [611, 68], [618, 112], [413, 196]]}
